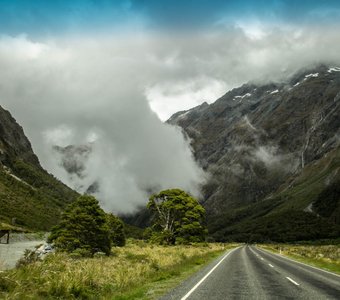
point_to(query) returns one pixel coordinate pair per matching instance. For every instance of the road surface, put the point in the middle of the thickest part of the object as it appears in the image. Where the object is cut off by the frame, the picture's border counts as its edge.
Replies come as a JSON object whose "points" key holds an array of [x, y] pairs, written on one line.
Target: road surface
{"points": [[248, 272], [12, 252]]}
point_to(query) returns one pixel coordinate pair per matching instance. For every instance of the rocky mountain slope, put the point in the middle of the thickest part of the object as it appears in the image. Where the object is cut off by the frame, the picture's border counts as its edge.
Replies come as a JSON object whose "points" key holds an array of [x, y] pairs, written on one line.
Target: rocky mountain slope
{"points": [[13, 142], [258, 142], [29, 196]]}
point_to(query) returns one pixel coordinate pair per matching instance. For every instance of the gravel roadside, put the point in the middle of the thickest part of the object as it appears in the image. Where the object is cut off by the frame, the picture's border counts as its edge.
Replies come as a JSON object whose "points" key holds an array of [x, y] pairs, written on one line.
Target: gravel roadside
{"points": [[12, 252]]}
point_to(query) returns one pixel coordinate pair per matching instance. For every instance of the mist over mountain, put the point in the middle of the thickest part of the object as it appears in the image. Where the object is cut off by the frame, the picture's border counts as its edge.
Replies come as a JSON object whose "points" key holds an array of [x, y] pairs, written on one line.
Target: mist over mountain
{"points": [[264, 132], [256, 140]]}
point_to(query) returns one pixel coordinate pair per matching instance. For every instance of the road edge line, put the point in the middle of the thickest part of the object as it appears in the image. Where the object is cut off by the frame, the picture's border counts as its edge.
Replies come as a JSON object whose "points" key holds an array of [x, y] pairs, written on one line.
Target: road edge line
{"points": [[206, 276], [293, 281], [296, 261]]}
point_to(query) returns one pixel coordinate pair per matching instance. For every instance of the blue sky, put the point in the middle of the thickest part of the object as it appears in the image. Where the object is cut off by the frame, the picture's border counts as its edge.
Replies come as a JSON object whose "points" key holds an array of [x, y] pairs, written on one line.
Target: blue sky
{"points": [[43, 17]]}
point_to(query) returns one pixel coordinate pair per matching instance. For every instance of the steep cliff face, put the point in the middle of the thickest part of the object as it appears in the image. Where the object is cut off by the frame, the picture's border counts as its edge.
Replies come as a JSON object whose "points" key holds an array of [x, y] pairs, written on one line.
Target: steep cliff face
{"points": [[13, 142], [256, 138], [29, 196]]}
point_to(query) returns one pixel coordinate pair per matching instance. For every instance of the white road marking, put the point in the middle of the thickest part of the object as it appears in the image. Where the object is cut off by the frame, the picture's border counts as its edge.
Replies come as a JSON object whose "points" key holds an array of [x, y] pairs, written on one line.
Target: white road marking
{"points": [[255, 253], [206, 276], [271, 265], [291, 280]]}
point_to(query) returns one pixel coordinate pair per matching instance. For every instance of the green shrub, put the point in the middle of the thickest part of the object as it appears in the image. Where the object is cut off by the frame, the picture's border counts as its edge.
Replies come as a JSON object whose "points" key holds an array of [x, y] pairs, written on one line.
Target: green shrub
{"points": [[83, 226], [116, 228], [29, 257]]}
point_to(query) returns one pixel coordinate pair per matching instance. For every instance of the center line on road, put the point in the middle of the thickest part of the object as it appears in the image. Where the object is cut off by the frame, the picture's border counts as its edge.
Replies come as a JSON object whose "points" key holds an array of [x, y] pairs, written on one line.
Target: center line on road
{"points": [[205, 277], [291, 280], [271, 265]]}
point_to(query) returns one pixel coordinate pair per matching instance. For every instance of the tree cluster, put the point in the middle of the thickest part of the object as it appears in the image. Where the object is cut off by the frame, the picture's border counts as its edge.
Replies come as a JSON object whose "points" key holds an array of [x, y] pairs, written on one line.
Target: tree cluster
{"points": [[87, 229], [177, 218]]}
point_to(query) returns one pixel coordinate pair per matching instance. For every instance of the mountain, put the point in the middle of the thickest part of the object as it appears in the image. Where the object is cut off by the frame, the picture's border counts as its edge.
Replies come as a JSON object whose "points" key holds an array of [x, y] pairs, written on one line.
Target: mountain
{"points": [[29, 196], [273, 154]]}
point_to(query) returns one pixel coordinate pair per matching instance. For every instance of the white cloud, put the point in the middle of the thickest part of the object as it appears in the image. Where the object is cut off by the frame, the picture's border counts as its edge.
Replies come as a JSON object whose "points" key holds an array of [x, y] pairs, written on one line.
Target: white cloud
{"points": [[95, 95], [61, 136], [100, 89], [21, 47], [170, 97]]}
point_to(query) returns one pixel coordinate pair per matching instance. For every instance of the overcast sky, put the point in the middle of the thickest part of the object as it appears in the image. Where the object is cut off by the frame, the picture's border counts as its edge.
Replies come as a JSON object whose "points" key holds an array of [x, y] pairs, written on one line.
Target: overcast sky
{"points": [[109, 72]]}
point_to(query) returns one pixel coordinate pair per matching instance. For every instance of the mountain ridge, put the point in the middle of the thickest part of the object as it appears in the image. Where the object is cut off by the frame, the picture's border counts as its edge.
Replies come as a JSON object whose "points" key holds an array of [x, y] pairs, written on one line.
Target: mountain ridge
{"points": [[30, 197], [256, 138]]}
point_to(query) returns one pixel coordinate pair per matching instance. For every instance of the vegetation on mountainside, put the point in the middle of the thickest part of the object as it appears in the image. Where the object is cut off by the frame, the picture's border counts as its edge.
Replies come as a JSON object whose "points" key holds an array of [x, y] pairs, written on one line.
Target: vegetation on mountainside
{"points": [[328, 202], [138, 270], [86, 229], [281, 217], [33, 199], [45, 182], [323, 256], [5, 226], [304, 189], [177, 218], [288, 226]]}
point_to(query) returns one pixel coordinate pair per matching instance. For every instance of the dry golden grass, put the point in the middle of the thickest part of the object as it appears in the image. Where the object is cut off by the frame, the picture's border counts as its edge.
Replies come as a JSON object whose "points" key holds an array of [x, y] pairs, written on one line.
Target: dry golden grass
{"points": [[128, 269]]}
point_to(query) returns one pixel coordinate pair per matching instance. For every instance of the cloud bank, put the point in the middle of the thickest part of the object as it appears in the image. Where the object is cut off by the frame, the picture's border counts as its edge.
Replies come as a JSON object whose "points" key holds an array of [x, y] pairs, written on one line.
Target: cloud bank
{"points": [[110, 90], [92, 93]]}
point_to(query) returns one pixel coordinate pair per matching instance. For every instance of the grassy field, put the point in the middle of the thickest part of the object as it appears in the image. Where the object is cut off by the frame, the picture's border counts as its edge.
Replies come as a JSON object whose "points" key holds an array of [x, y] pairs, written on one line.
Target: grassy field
{"points": [[326, 257], [137, 271]]}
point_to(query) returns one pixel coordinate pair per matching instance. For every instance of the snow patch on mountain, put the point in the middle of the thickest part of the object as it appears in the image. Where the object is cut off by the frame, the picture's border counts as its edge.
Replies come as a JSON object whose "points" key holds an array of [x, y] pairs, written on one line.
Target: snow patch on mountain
{"points": [[240, 98], [334, 69], [312, 75]]}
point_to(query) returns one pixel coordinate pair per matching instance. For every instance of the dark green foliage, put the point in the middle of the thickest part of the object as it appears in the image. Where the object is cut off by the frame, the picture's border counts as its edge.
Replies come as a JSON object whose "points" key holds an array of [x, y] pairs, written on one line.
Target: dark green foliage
{"points": [[328, 202], [133, 232], [6, 284], [37, 201], [177, 217], [289, 226], [83, 226], [117, 232], [281, 217], [30, 256], [35, 207], [47, 183], [140, 219]]}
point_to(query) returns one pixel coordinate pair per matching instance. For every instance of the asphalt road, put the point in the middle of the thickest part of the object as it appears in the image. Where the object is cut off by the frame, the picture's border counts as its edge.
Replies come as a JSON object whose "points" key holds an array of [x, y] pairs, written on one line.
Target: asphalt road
{"points": [[248, 272], [12, 252]]}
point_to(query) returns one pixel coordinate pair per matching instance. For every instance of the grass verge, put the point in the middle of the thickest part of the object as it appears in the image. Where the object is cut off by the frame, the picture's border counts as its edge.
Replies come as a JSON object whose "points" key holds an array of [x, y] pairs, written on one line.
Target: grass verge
{"points": [[325, 257], [137, 271]]}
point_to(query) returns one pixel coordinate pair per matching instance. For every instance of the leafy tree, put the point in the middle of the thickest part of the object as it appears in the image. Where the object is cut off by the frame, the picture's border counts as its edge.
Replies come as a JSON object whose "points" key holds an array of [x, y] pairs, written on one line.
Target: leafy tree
{"points": [[83, 227], [177, 217], [116, 228]]}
